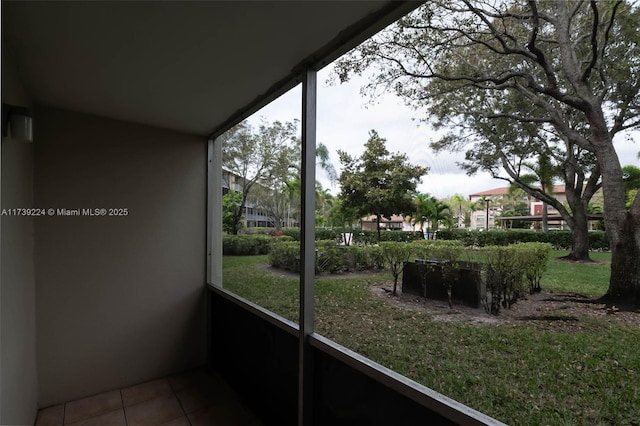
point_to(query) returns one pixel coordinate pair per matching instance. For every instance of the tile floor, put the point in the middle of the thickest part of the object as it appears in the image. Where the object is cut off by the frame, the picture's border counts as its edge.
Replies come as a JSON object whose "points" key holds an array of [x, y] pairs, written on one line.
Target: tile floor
{"points": [[193, 398]]}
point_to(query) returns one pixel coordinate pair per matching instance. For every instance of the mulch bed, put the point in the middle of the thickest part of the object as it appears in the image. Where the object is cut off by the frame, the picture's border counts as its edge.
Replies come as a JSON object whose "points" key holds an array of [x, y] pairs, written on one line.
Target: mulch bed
{"points": [[563, 311], [548, 310]]}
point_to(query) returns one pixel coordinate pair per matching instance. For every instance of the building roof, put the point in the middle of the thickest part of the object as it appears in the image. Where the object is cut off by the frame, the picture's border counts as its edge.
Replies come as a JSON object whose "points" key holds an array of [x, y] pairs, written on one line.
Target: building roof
{"points": [[394, 218], [489, 192]]}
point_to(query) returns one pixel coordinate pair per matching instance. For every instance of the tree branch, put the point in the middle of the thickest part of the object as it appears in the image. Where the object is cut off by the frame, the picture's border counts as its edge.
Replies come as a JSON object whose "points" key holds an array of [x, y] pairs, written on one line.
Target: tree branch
{"points": [[556, 118], [537, 53], [576, 8], [594, 42], [535, 192], [593, 183]]}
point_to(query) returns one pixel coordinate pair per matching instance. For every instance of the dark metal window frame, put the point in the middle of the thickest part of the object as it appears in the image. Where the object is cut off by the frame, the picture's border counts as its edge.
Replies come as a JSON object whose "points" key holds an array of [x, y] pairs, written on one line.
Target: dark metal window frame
{"points": [[308, 340]]}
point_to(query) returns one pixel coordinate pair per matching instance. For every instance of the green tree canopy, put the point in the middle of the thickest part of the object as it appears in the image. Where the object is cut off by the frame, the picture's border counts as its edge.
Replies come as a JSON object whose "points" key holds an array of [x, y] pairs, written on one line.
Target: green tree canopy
{"points": [[230, 203], [252, 156], [378, 183], [516, 79], [432, 212]]}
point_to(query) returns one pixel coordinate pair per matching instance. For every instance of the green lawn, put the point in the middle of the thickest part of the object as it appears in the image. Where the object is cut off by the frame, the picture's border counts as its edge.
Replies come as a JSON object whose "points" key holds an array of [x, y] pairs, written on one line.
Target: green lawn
{"points": [[587, 279], [518, 373]]}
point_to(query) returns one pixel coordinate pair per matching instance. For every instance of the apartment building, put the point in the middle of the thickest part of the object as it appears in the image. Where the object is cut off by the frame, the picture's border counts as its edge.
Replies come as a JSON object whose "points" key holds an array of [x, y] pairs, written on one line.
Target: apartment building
{"points": [[490, 204], [252, 216]]}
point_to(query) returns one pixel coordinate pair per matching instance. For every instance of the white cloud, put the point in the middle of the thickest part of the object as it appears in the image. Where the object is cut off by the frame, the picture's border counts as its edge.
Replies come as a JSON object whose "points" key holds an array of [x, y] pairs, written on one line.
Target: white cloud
{"points": [[628, 148]]}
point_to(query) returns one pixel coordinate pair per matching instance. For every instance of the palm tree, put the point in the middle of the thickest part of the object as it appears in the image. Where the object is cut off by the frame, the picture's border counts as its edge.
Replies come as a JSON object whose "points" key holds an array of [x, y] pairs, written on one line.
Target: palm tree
{"points": [[324, 201], [431, 211], [460, 205], [293, 187], [322, 157], [441, 215], [423, 207]]}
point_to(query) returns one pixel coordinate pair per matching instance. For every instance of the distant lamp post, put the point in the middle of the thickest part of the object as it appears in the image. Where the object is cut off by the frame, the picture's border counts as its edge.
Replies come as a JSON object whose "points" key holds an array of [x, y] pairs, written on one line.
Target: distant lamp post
{"points": [[486, 219], [425, 232]]}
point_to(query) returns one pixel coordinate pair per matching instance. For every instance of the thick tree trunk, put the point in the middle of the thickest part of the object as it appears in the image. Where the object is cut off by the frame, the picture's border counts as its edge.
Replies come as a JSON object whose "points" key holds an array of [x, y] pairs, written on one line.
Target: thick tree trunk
{"points": [[237, 216], [236, 221], [579, 237], [378, 226], [580, 246], [623, 230], [624, 285], [622, 227], [545, 217]]}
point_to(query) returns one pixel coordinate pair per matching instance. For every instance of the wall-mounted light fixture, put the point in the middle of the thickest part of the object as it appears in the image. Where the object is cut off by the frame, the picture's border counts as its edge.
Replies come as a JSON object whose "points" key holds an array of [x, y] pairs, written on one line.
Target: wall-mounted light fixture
{"points": [[17, 121]]}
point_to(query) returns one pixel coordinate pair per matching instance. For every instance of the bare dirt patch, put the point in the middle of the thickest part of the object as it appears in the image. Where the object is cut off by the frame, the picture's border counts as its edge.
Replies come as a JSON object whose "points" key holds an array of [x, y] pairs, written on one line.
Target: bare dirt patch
{"points": [[548, 310], [565, 311]]}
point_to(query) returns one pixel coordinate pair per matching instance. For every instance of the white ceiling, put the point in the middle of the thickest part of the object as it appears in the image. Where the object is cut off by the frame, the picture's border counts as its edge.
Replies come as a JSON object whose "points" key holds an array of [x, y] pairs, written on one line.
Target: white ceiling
{"points": [[186, 66]]}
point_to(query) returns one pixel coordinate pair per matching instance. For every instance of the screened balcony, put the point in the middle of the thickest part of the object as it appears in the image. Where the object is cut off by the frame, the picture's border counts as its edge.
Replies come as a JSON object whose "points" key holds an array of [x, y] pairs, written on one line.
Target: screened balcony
{"points": [[127, 101]]}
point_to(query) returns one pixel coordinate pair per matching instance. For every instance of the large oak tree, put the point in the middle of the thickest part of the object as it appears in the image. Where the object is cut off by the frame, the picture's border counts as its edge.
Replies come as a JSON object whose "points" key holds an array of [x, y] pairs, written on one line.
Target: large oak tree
{"points": [[525, 78]]}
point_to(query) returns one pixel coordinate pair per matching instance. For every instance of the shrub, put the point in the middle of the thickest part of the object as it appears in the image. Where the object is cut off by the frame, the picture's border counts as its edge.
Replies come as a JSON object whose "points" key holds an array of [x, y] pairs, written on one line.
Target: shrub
{"points": [[248, 245], [401, 236], [534, 260], [395, 255], [328, 234], [508, 270], [293, 233], [503, 276], [359, 237], [245, 245], [438, 249], [257, 230], [599, 241], [365, 258], [364, 238], [321, 234], [285, 255], [560, 240], [329, 257]]}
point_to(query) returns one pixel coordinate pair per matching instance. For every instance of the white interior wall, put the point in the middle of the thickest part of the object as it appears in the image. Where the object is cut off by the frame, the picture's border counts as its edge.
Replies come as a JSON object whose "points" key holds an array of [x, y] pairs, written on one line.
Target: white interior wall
{"points": [[18, 378], [120, 299]]}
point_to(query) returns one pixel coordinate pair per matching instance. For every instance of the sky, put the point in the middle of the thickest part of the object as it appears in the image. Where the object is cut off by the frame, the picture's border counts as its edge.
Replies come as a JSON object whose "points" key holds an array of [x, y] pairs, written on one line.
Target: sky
{"points": [[345, 118]]}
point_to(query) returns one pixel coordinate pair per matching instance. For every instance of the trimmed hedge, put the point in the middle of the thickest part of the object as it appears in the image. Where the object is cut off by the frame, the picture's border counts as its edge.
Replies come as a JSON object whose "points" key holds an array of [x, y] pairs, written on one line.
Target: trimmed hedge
{"points": [[248, 245], [285, 255], [330, 257], [359, 237], [257, 230], [321, 234], [508, 270], [560, 240]]}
